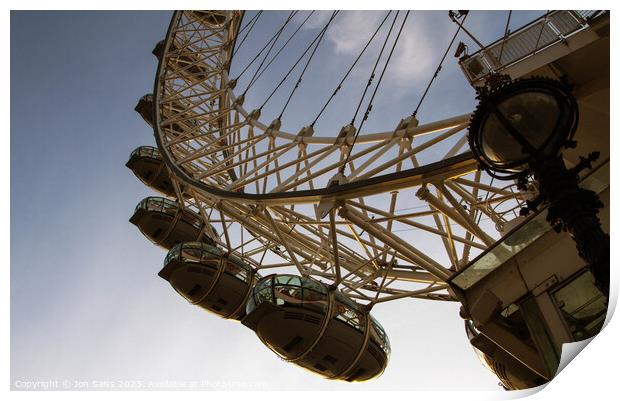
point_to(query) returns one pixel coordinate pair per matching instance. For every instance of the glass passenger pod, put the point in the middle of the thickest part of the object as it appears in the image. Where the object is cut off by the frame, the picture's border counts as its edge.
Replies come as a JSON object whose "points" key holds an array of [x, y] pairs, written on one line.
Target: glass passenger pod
{"points": [[145, 108], [206, 276], [179, 113], [163, 222], [322, 330], [188, 65], [147, 164]]}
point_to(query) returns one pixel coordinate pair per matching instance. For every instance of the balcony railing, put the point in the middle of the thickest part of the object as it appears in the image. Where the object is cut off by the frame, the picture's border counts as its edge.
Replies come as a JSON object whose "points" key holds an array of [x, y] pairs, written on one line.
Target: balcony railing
{"points": [[551, 28]]}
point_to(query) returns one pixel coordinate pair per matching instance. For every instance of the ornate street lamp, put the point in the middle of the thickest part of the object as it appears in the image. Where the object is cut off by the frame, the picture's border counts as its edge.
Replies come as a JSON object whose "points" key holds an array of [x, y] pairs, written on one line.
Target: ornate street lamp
{"points": [[518, 130]]}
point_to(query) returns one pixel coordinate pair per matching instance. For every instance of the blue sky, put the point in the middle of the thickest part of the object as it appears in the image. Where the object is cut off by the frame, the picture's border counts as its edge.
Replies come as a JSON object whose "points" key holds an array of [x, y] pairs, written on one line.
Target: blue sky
{"points": [[86, 302]]}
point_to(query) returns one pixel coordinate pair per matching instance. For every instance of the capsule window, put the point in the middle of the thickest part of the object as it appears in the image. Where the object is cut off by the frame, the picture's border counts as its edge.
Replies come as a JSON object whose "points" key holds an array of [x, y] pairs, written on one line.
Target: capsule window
{"points": [[146, 152], [263, 295], [140, 205], [154, 204], [238, 271], [347, 301], [173, 254], [350, 316], [169, 208], [266, 283], [314, 300], [288, 280], [287, 294], [374, 335], [251, 305], [191, 254], [313, 285], [377, 333]]}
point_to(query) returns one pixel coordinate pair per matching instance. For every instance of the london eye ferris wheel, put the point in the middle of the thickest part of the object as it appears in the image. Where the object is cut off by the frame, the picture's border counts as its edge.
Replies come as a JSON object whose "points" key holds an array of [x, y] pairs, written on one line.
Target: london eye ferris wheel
{"points": [[299, 232]]}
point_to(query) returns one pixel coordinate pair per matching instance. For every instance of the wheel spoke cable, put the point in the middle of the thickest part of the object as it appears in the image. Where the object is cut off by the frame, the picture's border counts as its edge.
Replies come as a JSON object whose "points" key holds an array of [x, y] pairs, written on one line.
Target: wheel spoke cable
{"points": [[307, 64], [262, 50], [285, 44], [253, 22], [415, 112], [374, 68], [292, 68], [350, 69], [243, 28], [253, 79], [369, 108]]}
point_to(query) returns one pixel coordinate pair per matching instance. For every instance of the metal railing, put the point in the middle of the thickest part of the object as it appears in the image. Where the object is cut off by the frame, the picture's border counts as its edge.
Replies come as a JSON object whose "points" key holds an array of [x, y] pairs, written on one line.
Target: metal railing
{"points": [[541, 33]]}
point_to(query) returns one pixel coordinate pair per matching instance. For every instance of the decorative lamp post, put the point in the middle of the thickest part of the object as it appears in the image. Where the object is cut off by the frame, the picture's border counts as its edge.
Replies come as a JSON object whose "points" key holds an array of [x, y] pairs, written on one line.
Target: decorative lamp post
{"points": [[519, 129]]}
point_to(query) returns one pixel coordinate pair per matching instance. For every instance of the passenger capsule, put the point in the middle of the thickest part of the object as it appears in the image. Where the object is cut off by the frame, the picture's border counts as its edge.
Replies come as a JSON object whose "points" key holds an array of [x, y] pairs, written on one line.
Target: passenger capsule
{"points": [[189, 65], [147, 164], [170, 110], [319, 329], [145, 108], [163, 222], [208, 277]]}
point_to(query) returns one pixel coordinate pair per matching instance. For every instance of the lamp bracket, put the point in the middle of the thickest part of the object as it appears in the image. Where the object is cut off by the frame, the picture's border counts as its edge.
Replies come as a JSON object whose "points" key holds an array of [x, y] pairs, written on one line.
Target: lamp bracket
{"points": [[585, 162]]}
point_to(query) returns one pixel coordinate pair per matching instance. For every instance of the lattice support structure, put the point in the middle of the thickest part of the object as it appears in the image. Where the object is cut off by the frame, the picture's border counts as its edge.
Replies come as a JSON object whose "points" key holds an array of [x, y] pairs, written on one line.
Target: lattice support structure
{"points": [[411, 210]]}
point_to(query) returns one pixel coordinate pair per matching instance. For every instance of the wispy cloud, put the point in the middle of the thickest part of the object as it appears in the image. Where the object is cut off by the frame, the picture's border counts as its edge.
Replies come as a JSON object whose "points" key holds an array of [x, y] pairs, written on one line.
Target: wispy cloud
{"points": [[418, 50], [351, 30], [318, 19]]}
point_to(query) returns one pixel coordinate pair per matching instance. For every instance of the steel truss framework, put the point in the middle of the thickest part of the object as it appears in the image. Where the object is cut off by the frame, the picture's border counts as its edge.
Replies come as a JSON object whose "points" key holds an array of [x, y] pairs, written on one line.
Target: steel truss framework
{"points": [[411, 211]]}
